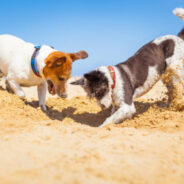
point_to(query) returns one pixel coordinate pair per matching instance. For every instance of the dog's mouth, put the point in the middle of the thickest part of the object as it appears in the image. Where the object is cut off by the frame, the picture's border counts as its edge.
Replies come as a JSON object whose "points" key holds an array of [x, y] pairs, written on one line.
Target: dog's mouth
{"points": [[51, 87]]}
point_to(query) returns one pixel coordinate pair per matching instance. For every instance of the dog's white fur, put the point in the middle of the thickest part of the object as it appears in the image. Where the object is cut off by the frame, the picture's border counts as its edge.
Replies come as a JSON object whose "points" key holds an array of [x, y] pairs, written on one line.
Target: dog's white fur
{"points": [[115, 97], [106, 101], [117, 94], [15, 63], [179, 12]]}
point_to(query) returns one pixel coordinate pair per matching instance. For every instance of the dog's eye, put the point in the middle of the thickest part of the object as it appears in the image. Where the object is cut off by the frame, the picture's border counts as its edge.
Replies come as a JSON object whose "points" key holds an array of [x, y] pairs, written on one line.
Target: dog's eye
{"points": [[61, 78]]}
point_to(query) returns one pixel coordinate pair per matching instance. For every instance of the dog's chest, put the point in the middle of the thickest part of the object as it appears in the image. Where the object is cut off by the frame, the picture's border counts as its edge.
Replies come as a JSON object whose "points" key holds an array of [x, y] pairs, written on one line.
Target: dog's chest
{"points": [[118, 92], [26, 77], [26, 82]]}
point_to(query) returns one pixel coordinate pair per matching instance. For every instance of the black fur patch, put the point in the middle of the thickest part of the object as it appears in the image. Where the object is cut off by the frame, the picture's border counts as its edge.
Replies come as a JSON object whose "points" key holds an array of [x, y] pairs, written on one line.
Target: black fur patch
{"points": [[181, 34], [149, 55], [97, 84], [167, 47]]}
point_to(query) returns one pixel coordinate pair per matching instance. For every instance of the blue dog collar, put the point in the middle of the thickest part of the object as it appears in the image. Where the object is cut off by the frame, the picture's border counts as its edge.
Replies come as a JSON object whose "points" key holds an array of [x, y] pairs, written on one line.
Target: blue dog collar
{"points": [[33, 61]]}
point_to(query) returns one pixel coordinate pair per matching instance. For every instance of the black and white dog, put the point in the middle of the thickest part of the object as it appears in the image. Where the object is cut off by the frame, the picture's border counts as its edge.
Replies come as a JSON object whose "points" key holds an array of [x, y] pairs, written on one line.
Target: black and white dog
{"points": [[119, 85]]}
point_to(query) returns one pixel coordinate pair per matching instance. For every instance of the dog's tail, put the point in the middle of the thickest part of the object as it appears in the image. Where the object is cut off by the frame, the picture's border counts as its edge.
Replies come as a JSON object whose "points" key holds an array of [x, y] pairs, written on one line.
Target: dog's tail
{"points": [[179, 12]]}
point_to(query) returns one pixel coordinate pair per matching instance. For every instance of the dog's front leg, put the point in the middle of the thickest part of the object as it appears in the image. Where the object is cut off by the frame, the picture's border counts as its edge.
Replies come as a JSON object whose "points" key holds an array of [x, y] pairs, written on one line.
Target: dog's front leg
{"points": [[16, 88], [113, 109], [124, 111], [41, 88]]}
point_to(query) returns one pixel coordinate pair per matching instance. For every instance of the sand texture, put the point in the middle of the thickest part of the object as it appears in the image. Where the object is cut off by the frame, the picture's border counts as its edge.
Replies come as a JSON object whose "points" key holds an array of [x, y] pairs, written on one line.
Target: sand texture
{"points": [[64, 145]]}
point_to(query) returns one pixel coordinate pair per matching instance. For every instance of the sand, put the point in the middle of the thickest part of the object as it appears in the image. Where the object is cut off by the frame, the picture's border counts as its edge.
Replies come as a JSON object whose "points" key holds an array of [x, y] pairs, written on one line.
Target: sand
{"points": [[65, 145]]}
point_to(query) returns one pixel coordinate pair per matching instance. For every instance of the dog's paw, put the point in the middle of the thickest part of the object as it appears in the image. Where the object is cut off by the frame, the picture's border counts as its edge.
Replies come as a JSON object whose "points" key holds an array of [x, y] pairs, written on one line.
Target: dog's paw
{"points": [[102, 125], [43, 108], [105, 123], [21, 94]]}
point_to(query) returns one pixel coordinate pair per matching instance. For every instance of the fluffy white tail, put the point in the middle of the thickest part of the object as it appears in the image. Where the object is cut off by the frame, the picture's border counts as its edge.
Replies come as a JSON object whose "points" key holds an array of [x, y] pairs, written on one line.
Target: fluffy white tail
{"points": [[179, 12]]}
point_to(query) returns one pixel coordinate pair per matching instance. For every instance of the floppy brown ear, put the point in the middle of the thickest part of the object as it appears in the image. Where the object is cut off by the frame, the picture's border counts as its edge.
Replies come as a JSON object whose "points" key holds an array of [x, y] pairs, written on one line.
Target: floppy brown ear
{"points": [[79, 55], [56, 61]]}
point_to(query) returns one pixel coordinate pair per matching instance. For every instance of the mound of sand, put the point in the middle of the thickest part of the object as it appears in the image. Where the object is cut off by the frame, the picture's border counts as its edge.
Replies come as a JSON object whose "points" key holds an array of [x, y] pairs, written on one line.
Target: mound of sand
{"points": [[64, 145]]}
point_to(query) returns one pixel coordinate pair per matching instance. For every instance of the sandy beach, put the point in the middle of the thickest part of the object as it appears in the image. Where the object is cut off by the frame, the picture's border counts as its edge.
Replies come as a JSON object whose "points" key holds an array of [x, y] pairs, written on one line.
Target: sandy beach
{"points": [[65, 145]]}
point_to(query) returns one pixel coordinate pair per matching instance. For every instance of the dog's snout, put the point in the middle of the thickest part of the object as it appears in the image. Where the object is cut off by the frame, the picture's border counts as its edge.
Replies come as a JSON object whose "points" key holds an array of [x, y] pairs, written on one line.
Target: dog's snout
{"points": [[63, 95]]}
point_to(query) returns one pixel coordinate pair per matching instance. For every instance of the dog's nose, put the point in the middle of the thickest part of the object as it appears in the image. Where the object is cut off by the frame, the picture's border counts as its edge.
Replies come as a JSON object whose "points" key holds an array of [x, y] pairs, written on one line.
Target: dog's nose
{"points": [[63, 95]]}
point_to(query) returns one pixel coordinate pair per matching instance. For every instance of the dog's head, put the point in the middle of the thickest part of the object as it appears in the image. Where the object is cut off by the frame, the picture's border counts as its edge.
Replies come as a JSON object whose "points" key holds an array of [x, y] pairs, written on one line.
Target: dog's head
{"points": [[96, 85], [58, 68]]}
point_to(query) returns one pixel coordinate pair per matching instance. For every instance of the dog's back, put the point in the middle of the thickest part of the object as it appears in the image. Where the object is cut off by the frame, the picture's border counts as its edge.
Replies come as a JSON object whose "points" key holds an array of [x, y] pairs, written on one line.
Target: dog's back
{"points": [[11, 49], [10, 43]]}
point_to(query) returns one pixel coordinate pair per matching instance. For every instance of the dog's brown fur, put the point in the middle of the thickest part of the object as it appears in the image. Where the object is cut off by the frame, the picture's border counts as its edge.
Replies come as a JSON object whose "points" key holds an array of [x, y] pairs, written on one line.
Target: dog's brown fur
{"points": [[58, 69]]}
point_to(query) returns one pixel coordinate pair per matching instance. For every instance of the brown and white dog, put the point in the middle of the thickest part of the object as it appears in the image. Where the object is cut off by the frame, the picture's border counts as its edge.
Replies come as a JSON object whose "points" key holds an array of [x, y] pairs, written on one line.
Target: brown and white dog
{"points": [[48, 64], [119, 85]]}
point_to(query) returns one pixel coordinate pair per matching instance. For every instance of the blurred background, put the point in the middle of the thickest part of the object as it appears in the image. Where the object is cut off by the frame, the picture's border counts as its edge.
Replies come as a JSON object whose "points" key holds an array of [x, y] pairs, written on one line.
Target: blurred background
{"points": [[109, 30]]}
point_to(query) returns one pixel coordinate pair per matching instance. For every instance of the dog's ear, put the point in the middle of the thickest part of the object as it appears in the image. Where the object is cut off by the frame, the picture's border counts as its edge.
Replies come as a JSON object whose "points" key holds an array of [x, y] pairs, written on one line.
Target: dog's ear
{"points": [[56, 61], [79, 55], [88, 76], [78, 82], [92, 76]]}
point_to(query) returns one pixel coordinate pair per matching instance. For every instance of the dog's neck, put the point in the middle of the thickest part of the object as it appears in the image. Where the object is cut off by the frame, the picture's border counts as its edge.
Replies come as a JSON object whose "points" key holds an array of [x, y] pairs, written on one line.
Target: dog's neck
{"points": [[41, 56], [113, 76], [108, 98], [106, 72], [117, 91]]}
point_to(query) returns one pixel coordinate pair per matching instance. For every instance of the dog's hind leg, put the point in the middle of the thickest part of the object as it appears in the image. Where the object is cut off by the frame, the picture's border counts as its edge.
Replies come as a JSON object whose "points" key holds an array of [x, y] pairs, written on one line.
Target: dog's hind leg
{"points": [[125, 111], [41, 88]]}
